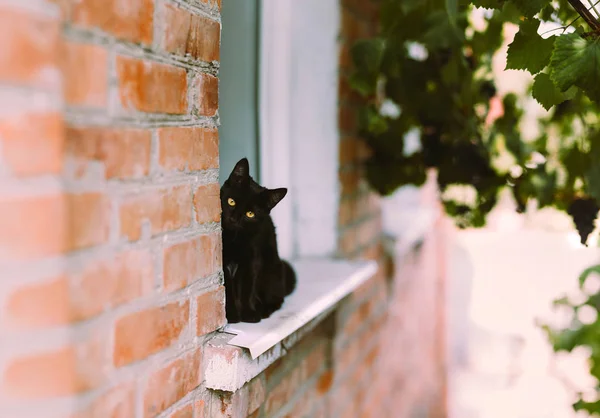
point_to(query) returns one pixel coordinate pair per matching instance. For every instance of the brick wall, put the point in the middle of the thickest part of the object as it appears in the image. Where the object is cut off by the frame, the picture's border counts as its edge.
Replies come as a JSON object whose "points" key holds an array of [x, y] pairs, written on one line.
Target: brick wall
{"points": [[110, 261], [110, 266], [391, 333]]}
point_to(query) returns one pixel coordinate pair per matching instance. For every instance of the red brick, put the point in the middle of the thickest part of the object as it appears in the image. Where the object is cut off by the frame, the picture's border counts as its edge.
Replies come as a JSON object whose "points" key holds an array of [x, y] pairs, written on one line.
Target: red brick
{"points": [[141, 334], [325, 381], [374, 251], [347, 242], [347, 151], [33, 227], [345, 58], [375, 284], [363, 150], [64, 371], [85, 69], [354, 150], [89, 220], [32, 143], [110, 282], [306, 405], [207, 203], [244, 402], [184, 412], [103, 284], [124, 153], [314, 361], [369, 230], [172, 382], [289, 385], [347, 119], [345, 357], [361, 314], [199, 408], [165, 209], [118, 402], [195, 35], [208, 94], [39, 305], [30, 45], [349, 180], [151, 86], [64, 6], [347, 212], [374, 202], [192, 260], [361, 206], [366, 10], [188, 148], [352, 28], [256, 394], [131, 20], [347, 93], [211, 311], [283, 392]]}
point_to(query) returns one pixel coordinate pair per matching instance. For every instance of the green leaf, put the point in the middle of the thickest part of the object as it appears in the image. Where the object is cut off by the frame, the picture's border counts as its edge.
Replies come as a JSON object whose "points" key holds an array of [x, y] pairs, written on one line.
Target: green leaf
{"points": [[591, 407], [567, 339], [529, 51], [563, 301], [592, 178], [545, 92], [510, 13], [367, 54], [364, 84], [488, 41], [408, 6], [530, 8], [587, 272], [440, 32], [452, 10], [488, 4], [576, 62], [592, 175], [371, 121]]}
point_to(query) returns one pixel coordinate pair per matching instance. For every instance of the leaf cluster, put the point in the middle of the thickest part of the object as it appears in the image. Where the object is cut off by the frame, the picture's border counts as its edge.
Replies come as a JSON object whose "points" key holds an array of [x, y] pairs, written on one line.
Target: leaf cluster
{"points": [[434, 64]]}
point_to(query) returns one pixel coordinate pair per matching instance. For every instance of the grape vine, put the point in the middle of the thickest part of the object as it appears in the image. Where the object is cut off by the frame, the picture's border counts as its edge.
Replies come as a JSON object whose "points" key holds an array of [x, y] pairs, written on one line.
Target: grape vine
{"points": [[430, 71]]}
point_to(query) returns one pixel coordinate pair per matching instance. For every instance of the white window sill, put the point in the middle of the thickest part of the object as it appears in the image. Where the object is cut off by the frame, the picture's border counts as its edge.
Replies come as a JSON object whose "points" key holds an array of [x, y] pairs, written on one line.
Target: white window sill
{"points": [[244, 350]]}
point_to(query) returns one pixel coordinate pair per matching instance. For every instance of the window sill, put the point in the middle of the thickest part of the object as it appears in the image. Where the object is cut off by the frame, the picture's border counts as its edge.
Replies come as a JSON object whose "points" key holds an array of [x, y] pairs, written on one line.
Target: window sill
{"points": [[244, 350]]}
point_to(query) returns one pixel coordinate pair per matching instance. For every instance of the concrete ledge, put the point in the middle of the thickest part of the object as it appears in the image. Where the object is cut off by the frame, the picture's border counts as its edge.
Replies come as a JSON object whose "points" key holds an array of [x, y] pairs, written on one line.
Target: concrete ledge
{"points": [[322, 283]]}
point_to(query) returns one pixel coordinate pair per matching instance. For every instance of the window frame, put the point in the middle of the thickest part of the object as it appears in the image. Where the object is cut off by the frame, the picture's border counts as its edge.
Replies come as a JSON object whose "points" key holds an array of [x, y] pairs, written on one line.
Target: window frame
{"points": [[274, 82], [298, 121]]}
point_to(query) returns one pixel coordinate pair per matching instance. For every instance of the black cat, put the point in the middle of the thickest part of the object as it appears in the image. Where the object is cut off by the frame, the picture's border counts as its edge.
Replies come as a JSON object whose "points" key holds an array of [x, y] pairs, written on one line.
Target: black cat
{"points": [[256, 279]]}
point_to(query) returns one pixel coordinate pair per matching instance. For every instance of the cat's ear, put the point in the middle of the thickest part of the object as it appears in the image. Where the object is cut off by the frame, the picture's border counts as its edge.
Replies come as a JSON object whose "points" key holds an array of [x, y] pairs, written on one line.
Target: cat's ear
{"points": [[274, 196], [241, 170]]}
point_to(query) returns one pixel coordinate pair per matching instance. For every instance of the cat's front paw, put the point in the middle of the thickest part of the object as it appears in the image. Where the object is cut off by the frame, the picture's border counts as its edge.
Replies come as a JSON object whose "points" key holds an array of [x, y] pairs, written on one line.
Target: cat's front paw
{"points": [[232, 315], [251, 317], [271, 308]]}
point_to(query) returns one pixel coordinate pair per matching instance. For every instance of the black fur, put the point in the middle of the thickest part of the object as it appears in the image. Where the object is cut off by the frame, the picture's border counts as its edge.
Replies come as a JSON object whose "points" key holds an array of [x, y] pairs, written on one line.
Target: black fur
{"points": [[256, 279]]}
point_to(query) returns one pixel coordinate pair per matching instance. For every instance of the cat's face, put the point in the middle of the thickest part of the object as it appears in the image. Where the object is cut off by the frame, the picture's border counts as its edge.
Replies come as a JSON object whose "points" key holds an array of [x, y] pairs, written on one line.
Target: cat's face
{"points": [[244, 202]]}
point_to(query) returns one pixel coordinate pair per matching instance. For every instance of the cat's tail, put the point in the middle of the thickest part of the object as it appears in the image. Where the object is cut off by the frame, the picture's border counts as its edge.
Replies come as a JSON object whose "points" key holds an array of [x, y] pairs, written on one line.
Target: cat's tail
{"points": [[289, 275]]}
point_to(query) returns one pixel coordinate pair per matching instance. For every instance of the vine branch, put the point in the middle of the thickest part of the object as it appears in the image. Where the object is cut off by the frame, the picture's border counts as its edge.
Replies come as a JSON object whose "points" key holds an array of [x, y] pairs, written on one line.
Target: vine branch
{"points": [[585, 13]]}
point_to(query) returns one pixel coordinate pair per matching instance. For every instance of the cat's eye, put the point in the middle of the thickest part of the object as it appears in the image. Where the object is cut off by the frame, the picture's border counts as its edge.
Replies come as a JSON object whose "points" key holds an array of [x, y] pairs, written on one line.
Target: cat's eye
{"points": [[231, 202], [250, 214]]}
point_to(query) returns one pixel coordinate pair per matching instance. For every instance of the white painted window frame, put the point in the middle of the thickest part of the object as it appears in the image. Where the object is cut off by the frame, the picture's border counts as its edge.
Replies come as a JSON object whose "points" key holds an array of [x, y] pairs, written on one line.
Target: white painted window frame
{"points": [[275, 112], [298, 132]]}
